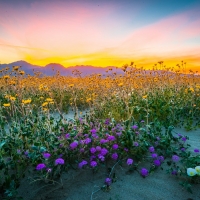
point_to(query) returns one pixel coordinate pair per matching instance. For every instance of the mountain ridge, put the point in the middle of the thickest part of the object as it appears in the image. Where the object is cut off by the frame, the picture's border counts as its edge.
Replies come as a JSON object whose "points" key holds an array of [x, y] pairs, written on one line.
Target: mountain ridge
{"points": [[52, 68]]}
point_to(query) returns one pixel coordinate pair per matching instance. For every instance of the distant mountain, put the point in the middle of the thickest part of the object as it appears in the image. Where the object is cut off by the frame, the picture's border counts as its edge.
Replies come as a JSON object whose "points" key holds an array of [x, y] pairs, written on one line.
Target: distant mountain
{"points": [[52, 68]]}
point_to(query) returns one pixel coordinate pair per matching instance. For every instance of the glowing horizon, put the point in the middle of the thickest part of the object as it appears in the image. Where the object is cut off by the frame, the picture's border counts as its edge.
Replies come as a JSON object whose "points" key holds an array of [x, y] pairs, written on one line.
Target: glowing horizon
{"points": [[100, 33]]}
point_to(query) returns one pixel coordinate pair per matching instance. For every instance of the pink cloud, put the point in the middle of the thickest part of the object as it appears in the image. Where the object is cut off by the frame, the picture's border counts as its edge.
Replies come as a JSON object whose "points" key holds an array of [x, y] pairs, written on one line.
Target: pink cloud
{"points": [[165, 35]]}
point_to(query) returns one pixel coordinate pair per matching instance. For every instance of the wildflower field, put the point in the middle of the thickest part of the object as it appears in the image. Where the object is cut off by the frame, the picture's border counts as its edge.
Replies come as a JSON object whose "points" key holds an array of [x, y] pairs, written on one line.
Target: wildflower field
{"points": [[119, 120]]}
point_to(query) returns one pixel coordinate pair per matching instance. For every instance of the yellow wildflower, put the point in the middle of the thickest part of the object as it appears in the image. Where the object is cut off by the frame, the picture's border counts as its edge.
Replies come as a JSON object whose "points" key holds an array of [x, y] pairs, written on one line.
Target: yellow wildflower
{"points": [[22, 72], [12, 98], [6, 104], [88, 100], [6, 77], [49, 99], [27, 101], [191, 89], [144, 97], [16, 68], [44, 104]]}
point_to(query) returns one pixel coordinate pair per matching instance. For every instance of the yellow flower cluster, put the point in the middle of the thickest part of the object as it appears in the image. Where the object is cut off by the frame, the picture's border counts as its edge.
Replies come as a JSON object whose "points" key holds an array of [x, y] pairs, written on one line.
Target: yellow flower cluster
{"points": [[27, 101]]}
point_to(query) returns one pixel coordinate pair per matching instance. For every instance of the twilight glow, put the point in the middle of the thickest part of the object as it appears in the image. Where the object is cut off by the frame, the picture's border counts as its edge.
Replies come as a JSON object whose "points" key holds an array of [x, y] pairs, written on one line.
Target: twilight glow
{"points": [[100, 33]]}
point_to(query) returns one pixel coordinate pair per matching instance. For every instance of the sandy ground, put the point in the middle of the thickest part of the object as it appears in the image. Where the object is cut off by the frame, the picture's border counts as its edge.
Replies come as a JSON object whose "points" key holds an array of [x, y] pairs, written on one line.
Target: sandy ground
{"points": [[79, 185]]}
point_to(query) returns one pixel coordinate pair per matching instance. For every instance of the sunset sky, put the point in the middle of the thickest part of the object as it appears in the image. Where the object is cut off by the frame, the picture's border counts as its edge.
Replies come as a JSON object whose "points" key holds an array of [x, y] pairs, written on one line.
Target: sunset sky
{"points": [[100, 32]]}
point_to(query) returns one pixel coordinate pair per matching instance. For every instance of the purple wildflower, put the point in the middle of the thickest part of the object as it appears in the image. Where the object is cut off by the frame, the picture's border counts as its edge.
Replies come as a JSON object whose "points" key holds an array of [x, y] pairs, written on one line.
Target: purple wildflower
{"points": [[126, 149], [135, 144], [184, 139], [102, 141], [73, 145], [81, 164], [87, 140], [107, 121], [46, 155], [183, 149], [144, 172], [82, 142], [114, 156], [113, 129], [161, 158], [102, 158], [86, 135], [129, 161], [157, 163], [142, 121], [137, 132], [151, 149], [40, 166], [118, 134], [59, 161], [115, 146], [111, 138], [26, 153], [93, 164], [175, 158], [93, 150], [104, 151], [93, 131], [67, 135], [94, 135], [82, 150], [98, 148], [154, 155], [92, 157], [174, 172], [108, 181], [134, 127], [196, 150], [179, 135]]}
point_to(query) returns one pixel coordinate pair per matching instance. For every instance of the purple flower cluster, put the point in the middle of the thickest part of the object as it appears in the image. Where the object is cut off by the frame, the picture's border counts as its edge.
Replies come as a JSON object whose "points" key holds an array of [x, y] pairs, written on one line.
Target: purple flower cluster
{"points": [[129, 161], [175, 158], [114, 156], [144, 172], [93, 164], [93, 150], [98, 148], [196, 150], [59, 161], [111, 138], [40, 166], [134, 127], [115, 146], [73, 145], [102, 158], [93, 131], [81, 164], [151, 149], [157, 163], [108, 181], [46, 155], [154, 155], [136, 144]]}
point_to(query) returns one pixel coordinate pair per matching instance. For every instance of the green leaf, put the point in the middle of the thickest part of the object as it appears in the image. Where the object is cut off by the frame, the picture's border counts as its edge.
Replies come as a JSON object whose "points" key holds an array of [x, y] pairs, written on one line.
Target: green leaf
{"points": [[2, 143]]}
